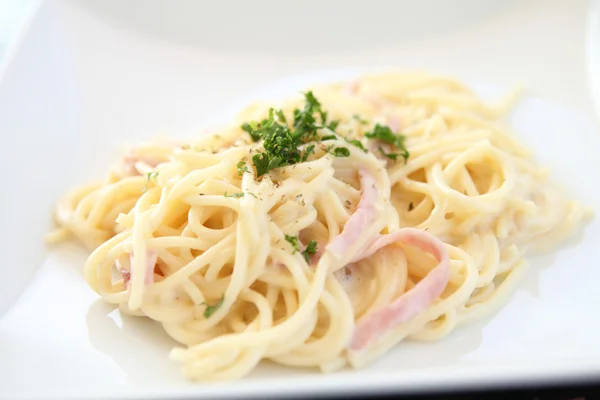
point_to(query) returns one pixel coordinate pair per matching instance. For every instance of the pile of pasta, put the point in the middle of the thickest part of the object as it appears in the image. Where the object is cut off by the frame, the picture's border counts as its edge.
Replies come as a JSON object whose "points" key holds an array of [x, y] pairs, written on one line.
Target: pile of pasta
{"points": [[332, 260]]}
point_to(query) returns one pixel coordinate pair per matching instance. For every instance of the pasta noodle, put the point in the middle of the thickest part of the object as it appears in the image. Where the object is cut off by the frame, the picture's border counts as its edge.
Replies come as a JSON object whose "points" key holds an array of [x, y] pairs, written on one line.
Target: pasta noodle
{"points": [[190, 236]]}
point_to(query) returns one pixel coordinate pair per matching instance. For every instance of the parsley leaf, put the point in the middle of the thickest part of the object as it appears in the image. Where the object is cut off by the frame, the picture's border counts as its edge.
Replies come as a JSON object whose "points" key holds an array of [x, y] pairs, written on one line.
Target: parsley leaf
{"points": [[310, 250], [210, 310], [338, 151], [149, 177], [329, 137], [264, 164], [281, 139], [240, 194], [357, 143], [333, 125], [392, 156], [305, 124], [322, 114], [360, 119], [385, 134], [241, 168], [251, 130], [280, 146], [310, 149], [293, 240], [261, 162], [152, 175], [281, 116], [341, 152]]}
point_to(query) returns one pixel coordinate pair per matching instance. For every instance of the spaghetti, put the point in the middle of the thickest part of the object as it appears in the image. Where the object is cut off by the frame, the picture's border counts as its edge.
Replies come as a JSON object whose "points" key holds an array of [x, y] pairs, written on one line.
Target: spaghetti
{"points": [[334, 257]]}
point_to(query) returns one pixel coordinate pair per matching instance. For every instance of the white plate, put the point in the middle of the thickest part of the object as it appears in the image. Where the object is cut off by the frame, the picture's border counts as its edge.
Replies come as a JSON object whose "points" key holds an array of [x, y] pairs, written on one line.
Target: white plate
{"points": [[57, 339]]}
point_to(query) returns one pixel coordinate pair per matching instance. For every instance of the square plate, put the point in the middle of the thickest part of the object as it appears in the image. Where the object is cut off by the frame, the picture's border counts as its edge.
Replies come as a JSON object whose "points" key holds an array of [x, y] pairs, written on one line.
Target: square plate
{"points": [[58, 339]]}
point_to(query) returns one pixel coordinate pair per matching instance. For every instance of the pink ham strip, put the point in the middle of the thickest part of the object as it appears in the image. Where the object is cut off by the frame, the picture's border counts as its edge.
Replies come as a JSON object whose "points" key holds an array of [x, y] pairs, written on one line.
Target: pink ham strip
{"points": [[131, 158], [126, 277], [411, 303], [379, 102], [151, 259], [394, 124], [351, 88], [314, 259], [364, 215], [375, 325]]}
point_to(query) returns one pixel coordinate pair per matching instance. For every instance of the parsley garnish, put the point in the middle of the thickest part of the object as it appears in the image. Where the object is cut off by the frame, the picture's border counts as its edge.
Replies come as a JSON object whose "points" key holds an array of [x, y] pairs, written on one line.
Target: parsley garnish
{"points": [[281, 147], [241, 168], [240, 194], [392, 156], [357, 143], [341, 152], [210, 310], [149, 177], [310, 250], [385, 134], [309, 150], [281, 141], [264, 164], [305, 124], [251, 131], [293, 240], [338, 151], [281, 116], [333, 124], [360, 119], [329, 137]]}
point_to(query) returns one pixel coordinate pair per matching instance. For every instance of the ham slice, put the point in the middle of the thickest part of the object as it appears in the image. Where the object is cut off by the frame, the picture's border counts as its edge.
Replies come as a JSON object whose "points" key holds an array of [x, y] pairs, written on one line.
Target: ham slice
{"points": [[351, 88], [150, 158], [375, 325], [365, 214], [394, 123], [132, 158], [151, 260]]}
